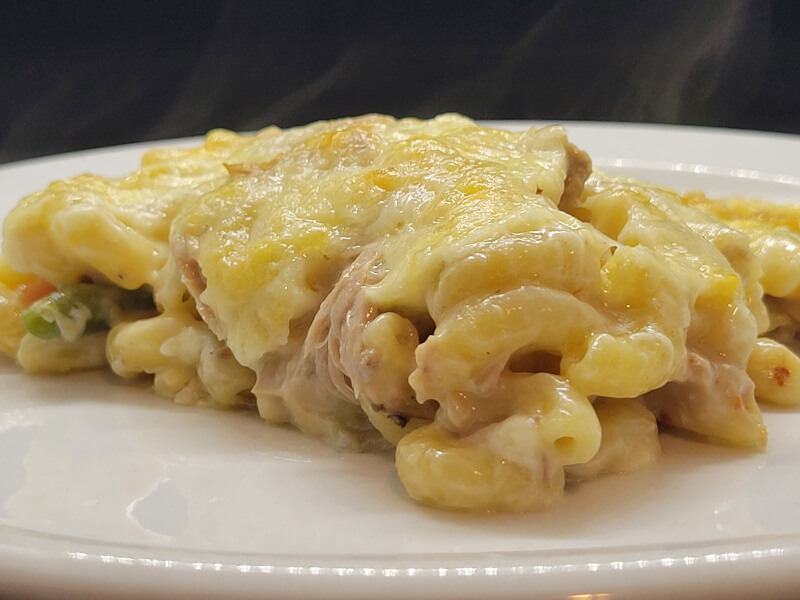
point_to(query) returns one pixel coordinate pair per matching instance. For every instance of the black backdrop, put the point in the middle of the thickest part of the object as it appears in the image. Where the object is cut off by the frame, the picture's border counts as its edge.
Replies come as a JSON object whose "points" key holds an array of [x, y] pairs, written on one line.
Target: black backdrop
{"points": [[86, 74]]}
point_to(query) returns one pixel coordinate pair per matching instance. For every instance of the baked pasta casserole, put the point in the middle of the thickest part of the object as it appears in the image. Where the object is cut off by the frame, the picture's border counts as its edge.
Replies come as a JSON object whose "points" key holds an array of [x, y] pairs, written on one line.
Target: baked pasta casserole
{"points": [[481, 301]]}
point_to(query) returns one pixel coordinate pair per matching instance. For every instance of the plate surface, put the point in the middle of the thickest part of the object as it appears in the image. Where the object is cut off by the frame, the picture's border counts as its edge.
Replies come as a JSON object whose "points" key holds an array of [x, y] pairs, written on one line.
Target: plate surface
{"points": [[109, 491]]}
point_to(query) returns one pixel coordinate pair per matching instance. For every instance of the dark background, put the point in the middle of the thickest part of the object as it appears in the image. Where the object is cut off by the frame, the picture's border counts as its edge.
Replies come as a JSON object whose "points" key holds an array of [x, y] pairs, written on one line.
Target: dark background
{"points": [[78, 75]]}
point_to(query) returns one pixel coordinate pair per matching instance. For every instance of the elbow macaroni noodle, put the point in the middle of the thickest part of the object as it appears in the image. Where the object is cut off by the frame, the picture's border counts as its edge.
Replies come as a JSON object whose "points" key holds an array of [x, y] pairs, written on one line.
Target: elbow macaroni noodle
{"points": [[454, 291]]}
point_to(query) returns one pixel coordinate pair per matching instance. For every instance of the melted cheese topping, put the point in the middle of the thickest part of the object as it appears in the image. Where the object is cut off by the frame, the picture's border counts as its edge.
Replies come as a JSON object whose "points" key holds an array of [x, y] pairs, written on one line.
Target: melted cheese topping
{"points": [[65, 233], [302, 205]]}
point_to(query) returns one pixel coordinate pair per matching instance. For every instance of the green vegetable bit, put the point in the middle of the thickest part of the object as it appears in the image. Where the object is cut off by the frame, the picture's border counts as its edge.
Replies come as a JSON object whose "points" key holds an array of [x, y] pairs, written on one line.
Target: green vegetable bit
{"points": [[84, 308]]}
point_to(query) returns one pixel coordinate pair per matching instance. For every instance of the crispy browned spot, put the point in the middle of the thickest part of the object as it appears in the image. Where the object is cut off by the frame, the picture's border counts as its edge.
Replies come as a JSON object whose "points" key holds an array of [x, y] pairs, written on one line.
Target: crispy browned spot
{"points": [[779, 374]]}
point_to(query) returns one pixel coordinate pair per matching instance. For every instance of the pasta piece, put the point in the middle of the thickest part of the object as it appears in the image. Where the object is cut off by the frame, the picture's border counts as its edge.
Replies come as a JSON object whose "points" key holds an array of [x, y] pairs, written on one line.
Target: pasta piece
{"points": [[11, 328], [59, 356], [513, 465], [775, 371], [712, 394], [629, 440]]}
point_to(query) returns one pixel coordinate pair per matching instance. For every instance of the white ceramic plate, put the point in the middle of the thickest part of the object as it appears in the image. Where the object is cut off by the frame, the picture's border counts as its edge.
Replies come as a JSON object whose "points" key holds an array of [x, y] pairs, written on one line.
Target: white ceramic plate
{"points": [[109, 491]]}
